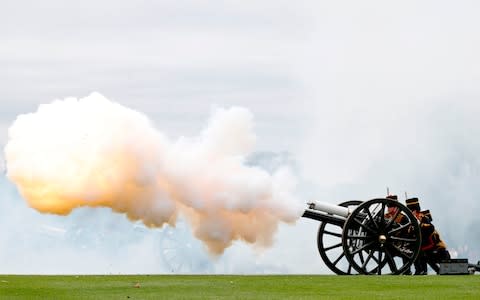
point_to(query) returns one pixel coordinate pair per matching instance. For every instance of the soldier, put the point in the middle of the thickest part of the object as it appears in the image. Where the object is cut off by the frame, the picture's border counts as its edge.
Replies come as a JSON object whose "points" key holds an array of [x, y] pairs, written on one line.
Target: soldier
{"points": [[421, 261], [400, 219], [433, 249], [392, 210]]}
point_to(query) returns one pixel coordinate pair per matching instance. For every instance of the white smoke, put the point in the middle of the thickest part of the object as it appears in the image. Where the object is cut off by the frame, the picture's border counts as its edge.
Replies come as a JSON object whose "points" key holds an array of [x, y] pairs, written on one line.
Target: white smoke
{"points": [[92, 152]]}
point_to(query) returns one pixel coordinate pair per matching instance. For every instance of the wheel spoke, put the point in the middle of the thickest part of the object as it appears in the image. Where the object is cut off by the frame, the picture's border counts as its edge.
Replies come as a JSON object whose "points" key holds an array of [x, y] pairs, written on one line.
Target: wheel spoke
{"points": [[374, 258], [338, 259], [371, 218], [382, 214], [379, 262], [399, 228], [333, 246], [359, 222], [361, 248], [349, 269], [391, 261], [397, 238], [362, 259], [370, 255], [332, 233]]}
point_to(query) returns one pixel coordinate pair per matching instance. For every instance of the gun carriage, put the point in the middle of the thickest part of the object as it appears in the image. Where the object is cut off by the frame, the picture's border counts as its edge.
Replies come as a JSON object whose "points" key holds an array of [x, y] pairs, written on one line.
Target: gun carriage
{"points": [[379, 236]]}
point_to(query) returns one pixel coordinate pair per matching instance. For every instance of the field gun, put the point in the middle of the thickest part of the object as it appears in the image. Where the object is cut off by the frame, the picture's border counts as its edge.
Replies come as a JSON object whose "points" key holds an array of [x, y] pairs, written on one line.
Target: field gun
{"points": [[379, 236]]}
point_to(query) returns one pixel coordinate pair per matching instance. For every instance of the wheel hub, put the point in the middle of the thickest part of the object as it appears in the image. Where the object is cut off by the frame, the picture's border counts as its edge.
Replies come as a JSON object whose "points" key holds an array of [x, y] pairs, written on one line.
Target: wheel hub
{"points": [[382, 239]]}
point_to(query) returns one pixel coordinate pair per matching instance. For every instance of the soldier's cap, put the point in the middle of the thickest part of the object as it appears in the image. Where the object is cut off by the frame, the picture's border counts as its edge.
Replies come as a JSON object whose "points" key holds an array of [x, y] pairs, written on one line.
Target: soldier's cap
{"points": [[392, 197], [427, 214], [413, 204]]}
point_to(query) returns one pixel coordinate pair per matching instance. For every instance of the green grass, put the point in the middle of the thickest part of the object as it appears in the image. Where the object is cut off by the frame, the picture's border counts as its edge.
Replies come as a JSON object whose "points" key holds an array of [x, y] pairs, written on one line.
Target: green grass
{"points": [[239, 287]]}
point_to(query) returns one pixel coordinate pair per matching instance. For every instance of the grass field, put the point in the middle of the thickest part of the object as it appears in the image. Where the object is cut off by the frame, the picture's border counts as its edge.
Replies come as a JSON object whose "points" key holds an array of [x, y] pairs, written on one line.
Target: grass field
{"points": [[239, 287]]}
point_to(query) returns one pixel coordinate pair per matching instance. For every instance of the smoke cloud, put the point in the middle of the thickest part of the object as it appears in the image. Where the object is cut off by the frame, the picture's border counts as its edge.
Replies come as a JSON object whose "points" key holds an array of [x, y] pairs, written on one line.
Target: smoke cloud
{"points": [[93, 152]]}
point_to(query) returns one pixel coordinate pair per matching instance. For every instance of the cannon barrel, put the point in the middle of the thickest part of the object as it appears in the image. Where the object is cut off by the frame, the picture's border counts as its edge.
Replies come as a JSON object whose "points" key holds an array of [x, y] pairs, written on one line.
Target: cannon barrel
{"points": [[325, 212], [330, 208]]}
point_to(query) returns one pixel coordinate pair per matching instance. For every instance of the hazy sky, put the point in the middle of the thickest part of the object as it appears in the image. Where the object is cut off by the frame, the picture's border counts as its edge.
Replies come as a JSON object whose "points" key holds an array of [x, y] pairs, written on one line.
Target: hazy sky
{"points": [[173, 60], [364, 94]]}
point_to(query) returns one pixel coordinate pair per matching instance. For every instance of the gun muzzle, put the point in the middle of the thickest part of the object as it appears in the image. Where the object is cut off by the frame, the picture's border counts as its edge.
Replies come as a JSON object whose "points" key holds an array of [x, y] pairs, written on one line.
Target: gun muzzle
{"points": [[329, 208]]}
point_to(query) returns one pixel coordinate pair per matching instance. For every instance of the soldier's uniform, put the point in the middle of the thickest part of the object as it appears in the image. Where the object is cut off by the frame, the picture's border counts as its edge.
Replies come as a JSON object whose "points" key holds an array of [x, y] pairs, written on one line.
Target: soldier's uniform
{"points": [[399, 219], [432, 249]]}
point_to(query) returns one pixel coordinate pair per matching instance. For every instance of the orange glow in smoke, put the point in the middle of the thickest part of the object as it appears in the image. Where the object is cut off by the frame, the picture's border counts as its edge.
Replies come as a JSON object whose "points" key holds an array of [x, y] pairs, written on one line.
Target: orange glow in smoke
{"points": [[96, 153]]}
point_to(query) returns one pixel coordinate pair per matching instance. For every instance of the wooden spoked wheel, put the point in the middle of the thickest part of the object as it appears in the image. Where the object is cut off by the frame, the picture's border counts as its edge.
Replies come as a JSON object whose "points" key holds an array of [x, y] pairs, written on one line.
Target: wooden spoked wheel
{"points": [[381, 236], [329, 243]]}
